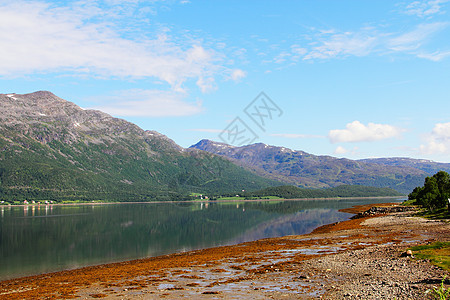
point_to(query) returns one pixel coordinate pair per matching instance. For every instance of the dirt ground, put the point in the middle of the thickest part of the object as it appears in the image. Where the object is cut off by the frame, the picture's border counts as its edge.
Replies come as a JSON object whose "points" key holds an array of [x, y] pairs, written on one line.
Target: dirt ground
{"points": [[355, 259]]}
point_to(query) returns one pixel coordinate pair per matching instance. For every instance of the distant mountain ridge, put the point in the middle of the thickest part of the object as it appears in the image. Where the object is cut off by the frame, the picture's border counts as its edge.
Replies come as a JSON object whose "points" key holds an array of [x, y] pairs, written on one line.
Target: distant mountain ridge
{"points": [[428, 166], [52, 149], [307, 170]]}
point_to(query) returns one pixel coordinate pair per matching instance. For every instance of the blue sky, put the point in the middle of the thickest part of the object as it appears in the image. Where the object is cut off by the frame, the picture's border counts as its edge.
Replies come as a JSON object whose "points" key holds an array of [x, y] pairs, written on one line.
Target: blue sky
{"points": [[353, 79]]}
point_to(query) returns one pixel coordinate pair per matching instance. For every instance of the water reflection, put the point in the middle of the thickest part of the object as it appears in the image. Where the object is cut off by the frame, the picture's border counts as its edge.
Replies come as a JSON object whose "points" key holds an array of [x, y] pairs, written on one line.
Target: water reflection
{"points": [[35, 240]]}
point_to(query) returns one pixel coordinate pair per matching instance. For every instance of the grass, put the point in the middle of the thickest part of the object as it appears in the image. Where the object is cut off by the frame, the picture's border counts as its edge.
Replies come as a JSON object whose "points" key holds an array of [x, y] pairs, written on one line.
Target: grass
{"points": [[440, 293], [409, 202], [438, 214], [230, 198], [438, 253]]}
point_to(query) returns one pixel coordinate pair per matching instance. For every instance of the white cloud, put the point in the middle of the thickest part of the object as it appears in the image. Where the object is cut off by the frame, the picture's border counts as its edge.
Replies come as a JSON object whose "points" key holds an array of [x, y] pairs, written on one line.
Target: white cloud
{"points": [[238, 74], [358, 132], [39, 37], [438, 142], [340, 150], [148, 103], [434, 147], [442, 131], [425, 8], [206, 84]]}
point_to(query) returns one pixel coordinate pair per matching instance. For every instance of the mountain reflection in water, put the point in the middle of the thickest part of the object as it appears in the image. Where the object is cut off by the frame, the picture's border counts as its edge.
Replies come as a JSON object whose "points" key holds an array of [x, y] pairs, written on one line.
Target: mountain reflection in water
{"points": [[39, 239]]}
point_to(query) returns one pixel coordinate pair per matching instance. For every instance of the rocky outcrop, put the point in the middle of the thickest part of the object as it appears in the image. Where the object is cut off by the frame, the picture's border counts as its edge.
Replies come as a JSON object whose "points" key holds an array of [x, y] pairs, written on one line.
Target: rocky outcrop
{"points": [[374, 211]]}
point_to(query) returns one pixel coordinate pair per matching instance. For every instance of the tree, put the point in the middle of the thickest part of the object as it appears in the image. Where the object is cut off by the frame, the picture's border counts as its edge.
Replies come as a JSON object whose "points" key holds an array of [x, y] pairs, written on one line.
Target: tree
{"points": [[443, 182], [431, 193], [435, 191], [415, 193]]}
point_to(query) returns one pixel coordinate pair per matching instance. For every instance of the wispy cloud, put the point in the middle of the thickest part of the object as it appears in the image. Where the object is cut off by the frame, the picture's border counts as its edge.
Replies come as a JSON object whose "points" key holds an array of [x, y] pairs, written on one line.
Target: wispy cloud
{"points": [[147, 103], [40, 37], [435, 56], [415, 38], [333, 44], [438, 141], [425, 8], [358, 132], [343, 44]]}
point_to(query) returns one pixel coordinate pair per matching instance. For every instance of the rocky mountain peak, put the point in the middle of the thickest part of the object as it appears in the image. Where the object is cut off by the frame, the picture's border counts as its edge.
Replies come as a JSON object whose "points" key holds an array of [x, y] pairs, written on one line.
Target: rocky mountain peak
{"points": [[208, 145], [46, 117], [20, 107]]}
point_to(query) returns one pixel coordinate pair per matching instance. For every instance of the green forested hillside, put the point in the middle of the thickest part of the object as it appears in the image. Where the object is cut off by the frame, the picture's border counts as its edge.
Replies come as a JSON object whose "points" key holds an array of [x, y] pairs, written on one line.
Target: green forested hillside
{"points": [[292, 192], [51, 149]]}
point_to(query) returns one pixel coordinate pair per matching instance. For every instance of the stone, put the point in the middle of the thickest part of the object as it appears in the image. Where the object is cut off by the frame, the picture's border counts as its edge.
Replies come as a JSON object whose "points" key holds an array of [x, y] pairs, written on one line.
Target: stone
{"points": [[408, 253]]}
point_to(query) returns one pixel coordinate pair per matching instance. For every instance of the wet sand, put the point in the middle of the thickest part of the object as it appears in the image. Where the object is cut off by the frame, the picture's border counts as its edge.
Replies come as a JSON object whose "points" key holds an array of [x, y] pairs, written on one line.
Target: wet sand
{"points": [[355, 259]]}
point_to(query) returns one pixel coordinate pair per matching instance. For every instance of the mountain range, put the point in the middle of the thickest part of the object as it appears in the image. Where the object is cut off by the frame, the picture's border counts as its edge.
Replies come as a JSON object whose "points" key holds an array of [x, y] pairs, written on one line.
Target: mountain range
{"points": [[312, 171], [51, 148]]}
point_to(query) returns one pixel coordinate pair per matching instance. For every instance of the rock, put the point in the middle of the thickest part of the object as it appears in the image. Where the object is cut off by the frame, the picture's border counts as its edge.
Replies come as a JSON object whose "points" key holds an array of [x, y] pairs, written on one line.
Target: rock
{"points": [[383, 210], [408, 253]]}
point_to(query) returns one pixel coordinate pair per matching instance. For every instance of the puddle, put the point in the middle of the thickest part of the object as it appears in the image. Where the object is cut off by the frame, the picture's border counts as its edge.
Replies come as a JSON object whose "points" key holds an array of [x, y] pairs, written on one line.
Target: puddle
{"points": [[308, 239], [311, 251], [165, 286], [305, 251], [410, 241]]}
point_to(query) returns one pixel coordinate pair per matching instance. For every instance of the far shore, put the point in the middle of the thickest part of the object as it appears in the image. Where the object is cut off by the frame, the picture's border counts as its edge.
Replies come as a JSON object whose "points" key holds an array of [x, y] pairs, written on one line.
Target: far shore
{"points": [[198, 201]]}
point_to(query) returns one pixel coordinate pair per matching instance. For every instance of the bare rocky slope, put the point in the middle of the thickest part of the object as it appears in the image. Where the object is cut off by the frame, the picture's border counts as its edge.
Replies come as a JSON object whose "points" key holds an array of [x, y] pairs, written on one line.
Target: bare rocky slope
{"points": [[312, 171]]}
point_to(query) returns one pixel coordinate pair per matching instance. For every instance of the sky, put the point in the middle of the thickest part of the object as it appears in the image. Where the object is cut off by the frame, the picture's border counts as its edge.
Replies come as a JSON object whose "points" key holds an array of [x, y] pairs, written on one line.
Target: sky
{"points": [[350, 78]]}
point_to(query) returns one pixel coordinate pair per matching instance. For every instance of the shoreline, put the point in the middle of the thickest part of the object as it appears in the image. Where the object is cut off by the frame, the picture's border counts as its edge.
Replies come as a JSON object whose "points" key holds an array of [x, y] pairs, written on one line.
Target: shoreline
{"points": [[199, 201], [287, 266]]}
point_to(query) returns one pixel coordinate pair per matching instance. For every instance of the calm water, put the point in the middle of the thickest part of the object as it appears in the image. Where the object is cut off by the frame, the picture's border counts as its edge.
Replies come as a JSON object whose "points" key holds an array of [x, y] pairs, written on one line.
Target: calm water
{"points": [[42, 239]]}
